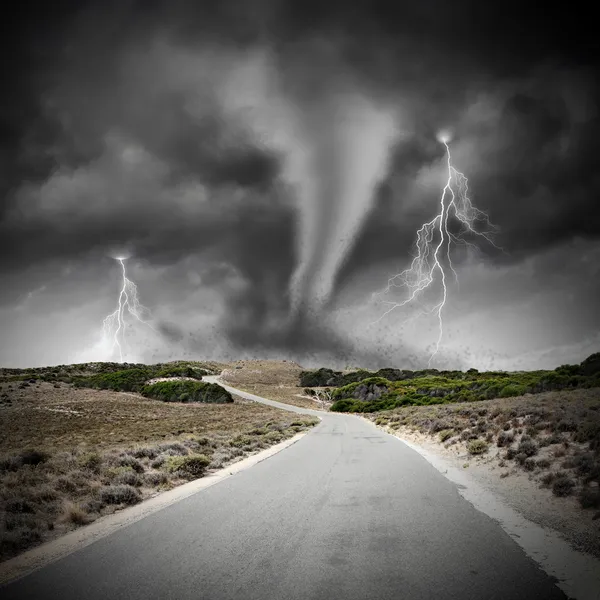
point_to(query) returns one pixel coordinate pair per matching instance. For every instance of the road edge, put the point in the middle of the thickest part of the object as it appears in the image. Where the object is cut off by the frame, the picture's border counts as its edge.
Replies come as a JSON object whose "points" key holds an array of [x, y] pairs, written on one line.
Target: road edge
{"points": [[32, 560], [576, 573]]}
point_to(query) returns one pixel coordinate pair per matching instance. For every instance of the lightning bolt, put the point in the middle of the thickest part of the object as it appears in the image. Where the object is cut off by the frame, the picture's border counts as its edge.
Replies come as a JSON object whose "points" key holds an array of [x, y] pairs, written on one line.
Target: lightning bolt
{"points": [[431, 256], [114, 324]]}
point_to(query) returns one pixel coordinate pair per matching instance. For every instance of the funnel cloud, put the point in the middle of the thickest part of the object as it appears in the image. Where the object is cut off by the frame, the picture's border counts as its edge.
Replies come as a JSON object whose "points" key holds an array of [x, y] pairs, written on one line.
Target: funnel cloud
{"points": [[349, 139]]}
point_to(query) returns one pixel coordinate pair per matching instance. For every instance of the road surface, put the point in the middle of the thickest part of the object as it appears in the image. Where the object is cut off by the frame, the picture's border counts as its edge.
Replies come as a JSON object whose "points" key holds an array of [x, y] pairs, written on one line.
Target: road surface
{"points": [[348, 512]]}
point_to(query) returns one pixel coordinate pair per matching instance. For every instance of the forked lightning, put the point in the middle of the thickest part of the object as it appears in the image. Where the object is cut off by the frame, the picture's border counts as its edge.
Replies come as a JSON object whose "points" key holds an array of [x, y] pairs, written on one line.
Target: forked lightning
{"points": [[114, 324], [434, 241]]}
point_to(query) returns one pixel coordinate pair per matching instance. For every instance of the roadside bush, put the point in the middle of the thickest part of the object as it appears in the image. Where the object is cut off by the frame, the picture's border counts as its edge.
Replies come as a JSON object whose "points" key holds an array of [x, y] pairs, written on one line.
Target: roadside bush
{"points": [[477, 447], [527, 446], [190, 467], [589, 497], [155, 478], [542, 463], [119, 494], [129, 461], [588, 431], [446, 434], [505, 439], [562, 485], [144, 452], [548, 478], [91, 462], [439, 425], [556, 438], [128, 478]]}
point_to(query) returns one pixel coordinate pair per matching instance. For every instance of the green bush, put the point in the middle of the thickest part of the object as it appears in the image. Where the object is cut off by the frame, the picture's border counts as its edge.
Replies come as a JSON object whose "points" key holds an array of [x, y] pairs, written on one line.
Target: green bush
{"points": [[189, 467], [342, 406], [187, 391], [179, 371], [127, 380], [512, 389], [446, 434], [477, 447]]}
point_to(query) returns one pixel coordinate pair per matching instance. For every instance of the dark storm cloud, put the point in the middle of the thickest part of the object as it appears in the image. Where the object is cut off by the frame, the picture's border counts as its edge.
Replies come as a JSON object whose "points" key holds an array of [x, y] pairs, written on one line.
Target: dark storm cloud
{"points": [[91, 83]]}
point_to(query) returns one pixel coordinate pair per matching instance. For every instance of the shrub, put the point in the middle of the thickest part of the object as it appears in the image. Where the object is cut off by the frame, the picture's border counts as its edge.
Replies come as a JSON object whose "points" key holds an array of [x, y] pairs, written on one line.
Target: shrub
{"points": [[19, 506], [190, 467], [128, 477], [446, 434], [528, 447], [75, 513], [521, 457], [342, 406], [589, 497], [548, 478], [187, 391], [179, 371], [129, 461], [588, 432], [477, 447], [126, 380], [513, 389], [145, 452], [33, 457], [439, 425], [173, 449], [155, 478], [562, 485], [91, 462], [119, 494], [543, 463], [566, 426], [505, 439], [158, 462]]}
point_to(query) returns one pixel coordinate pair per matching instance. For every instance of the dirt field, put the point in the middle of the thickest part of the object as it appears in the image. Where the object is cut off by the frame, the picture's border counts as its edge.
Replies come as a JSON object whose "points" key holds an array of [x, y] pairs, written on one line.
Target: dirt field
{"points": [[275, 380], [69, 455]]}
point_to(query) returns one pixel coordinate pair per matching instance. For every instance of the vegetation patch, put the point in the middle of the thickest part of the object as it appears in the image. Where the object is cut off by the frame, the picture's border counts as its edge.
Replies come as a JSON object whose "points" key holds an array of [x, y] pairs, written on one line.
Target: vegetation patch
{"points": [[553, 436], [374, 391], [127, 380], [477, 447], [187, 391], [90, 452]]}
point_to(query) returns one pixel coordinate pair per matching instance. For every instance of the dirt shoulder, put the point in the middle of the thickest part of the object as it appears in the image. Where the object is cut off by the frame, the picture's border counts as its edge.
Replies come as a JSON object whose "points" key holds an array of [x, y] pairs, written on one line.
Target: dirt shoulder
{"points": [[529, 451], [71, 455]]}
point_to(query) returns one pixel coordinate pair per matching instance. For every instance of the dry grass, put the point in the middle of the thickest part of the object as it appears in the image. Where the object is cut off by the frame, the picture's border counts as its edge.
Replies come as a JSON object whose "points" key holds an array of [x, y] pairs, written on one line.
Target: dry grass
{"points": [[555, 436], [95, 451], [271, 379], [49, 418]]}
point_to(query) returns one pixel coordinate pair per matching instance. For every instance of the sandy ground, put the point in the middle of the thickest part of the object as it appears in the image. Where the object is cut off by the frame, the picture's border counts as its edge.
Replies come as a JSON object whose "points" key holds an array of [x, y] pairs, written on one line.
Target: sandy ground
{"points": [[518, 490], [272, 379]]}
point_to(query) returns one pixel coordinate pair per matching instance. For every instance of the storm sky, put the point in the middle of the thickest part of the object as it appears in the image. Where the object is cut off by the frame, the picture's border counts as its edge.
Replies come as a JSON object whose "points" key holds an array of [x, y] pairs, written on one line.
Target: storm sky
{"points": [[266, 164]]}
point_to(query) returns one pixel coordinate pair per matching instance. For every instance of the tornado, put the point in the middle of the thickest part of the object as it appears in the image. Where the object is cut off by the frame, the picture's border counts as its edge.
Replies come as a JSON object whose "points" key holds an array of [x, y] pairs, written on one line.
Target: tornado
{"points": [[342, 153]]}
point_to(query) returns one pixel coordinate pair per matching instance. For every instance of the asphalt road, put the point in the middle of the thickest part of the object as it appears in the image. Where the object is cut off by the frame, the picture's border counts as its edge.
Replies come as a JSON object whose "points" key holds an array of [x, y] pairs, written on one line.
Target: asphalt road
{"points": [[348, 512]]}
